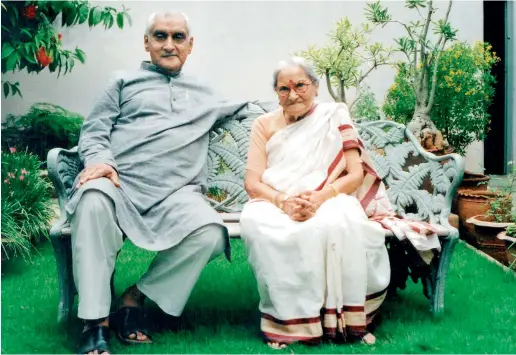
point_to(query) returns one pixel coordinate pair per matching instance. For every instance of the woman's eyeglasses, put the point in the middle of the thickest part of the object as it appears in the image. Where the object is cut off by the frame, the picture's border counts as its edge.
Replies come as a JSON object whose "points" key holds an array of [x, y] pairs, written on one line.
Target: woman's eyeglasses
{"points": [[299, 87]]}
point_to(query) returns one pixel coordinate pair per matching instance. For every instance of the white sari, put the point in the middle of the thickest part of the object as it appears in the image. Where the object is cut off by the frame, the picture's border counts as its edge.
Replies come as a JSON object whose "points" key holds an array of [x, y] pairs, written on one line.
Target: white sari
{"points": [[326, 276]]}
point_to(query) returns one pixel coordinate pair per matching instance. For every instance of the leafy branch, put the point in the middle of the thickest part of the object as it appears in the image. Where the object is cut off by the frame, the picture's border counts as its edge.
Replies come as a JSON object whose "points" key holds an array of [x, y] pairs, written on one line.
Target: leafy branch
{"points": [[30, 41]]}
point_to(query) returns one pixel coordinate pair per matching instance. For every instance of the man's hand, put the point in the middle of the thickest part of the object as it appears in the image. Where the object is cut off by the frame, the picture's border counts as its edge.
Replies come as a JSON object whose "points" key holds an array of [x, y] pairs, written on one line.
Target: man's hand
{"points": [[96, 171], [298, 209]]}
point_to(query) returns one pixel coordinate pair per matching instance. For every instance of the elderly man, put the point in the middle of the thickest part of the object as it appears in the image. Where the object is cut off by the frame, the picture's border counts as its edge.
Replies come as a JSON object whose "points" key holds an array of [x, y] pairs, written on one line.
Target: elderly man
{"points": [[144, 148]]}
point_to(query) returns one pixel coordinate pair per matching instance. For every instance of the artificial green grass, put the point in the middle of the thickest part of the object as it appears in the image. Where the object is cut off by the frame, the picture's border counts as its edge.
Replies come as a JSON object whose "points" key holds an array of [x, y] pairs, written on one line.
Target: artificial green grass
{"points": [[222, 316]]}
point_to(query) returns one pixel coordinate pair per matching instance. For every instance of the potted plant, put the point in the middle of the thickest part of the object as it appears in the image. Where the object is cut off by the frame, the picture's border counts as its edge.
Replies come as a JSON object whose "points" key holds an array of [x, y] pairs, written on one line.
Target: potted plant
{"points": [[464, 92], [423, 43], [509, 238], [498, 216]]}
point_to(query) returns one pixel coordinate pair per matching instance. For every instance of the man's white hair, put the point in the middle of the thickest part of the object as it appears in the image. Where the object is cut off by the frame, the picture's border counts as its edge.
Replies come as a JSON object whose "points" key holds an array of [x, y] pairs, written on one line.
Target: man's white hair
{"points": [[152, 20], [293, 62]]}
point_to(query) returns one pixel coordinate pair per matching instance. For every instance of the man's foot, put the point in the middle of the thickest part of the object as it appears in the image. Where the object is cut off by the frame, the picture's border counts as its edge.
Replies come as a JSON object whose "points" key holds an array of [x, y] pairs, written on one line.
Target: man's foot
{"points": [[369, 339], [95, 338], [276, 345], [128, 320]]}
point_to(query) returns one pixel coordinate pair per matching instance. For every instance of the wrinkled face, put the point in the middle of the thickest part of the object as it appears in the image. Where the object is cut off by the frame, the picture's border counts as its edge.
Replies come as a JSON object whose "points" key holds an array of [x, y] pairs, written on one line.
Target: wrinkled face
{"points": [[295, 90], [169, 42]]}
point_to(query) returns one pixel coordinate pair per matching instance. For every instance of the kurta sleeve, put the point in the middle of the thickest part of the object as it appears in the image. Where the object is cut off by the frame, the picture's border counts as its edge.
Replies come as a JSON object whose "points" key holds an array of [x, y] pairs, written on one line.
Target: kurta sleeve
{"points": [[257, 156], [94, 142]]}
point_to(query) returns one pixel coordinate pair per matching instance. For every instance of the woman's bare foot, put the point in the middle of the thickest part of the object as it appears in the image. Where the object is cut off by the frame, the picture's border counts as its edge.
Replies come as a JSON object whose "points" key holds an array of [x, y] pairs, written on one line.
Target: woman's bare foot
{"points": [[369, 339], [276, 345]]}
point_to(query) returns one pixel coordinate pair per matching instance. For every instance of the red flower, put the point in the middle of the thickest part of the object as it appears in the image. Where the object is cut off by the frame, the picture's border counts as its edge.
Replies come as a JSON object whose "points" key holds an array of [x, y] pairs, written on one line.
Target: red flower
{"points": [[43, 58], [29, 12], [59, 36], [12, 149], [22, 177]]}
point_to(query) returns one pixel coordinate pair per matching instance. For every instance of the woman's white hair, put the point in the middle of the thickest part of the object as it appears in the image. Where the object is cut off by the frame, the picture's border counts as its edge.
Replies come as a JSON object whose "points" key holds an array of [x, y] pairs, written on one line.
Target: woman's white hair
{"points": [[152, 20], [295, 62]]}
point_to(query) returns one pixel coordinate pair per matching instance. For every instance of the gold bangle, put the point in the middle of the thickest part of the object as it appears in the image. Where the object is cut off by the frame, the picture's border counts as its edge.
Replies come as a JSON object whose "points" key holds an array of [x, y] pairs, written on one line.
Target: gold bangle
{"points": [[334, 189]]}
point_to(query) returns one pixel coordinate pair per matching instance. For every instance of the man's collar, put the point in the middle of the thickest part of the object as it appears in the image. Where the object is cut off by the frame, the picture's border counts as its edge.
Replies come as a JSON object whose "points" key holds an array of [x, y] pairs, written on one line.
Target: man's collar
{"points": [[146, 65]]}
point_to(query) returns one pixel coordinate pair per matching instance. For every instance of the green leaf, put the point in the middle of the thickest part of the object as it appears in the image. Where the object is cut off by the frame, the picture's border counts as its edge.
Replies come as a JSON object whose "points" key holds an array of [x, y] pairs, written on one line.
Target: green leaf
{"points": [[25, 31], [90, 17], [72, 16], [15, 89], [7, 49], [66, 66], [29, 55], [22, 64], [6, 89], [53, 66], [37, 41], [83, 13], [12, 61], [120, 20], [105, 18], [80, 55], [13, 16], [128, 17], [95, 16], [111, 21], [72, 63]]}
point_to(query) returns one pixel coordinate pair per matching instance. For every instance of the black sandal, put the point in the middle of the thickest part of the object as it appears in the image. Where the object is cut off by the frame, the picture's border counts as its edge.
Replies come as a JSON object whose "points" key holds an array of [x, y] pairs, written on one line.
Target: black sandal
{"points": [[95, 338], [127, 321]]}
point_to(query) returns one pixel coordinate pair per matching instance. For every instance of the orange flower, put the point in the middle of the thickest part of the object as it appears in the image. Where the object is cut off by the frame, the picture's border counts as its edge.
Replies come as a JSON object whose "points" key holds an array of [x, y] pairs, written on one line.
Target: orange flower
{"points": [[29, 12], [43, 58], [59, 36]]}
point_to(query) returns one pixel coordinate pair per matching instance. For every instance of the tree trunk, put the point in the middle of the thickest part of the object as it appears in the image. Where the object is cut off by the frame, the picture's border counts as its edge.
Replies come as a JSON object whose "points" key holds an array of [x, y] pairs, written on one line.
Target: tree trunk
{"points": [[425, 130]]}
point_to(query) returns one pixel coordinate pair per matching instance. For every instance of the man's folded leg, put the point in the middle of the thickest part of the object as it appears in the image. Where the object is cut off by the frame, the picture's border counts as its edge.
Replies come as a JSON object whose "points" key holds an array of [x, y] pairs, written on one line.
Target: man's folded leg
{"points": [[96, 240]]}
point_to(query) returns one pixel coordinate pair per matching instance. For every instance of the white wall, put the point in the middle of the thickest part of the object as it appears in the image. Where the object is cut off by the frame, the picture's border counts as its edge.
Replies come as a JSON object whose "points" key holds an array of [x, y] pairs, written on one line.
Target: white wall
{"points": [[237, 45]]}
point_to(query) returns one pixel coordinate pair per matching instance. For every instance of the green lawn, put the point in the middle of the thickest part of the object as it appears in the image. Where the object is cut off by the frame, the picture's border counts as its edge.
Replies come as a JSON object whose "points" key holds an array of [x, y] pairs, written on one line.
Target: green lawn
{"points": [[221, 317]]}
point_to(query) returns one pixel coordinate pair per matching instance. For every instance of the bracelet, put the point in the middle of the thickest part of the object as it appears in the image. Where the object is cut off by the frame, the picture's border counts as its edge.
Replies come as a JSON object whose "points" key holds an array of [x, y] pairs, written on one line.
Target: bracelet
{"points": [[334, 189]]}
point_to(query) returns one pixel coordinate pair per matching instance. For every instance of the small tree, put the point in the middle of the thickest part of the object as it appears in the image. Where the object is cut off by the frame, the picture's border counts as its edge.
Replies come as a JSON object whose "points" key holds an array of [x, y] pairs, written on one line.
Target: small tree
{"points": [[30, 41], [347, 59], [423, 55]]}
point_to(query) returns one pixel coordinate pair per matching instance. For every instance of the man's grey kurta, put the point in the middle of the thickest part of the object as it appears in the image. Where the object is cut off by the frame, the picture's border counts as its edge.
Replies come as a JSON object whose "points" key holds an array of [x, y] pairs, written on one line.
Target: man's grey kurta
{"points": [[153, 128]]}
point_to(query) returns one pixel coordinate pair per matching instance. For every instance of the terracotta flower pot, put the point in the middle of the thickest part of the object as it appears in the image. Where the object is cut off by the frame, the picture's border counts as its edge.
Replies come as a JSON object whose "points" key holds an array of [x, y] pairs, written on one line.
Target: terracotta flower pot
{"points": [[486, 231], [472, 203], [473, 181], [510, 244]]}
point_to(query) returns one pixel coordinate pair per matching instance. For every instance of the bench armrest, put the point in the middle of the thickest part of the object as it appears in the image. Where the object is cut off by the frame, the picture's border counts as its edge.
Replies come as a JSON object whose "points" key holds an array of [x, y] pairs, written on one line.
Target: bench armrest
{"points": [[63, 167]]}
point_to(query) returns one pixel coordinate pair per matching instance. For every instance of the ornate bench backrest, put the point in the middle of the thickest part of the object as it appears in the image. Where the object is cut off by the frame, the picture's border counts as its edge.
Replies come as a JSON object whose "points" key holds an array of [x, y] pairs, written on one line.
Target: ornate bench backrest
{"points": [[420, 185]]}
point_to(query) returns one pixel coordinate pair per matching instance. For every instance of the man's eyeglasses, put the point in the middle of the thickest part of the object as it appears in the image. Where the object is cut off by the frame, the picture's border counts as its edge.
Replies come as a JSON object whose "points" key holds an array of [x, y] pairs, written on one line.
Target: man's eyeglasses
{"points": [[299, 87]]}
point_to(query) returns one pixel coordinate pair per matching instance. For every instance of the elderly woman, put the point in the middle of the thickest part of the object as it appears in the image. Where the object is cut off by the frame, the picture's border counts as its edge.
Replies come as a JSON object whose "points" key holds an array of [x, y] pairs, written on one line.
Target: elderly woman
{"points": [[321, 265]]}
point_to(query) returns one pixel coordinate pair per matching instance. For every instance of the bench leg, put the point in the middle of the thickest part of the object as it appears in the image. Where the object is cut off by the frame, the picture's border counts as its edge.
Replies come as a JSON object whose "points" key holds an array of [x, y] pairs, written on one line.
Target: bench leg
{"points": [[63, 254], [439, 273]]}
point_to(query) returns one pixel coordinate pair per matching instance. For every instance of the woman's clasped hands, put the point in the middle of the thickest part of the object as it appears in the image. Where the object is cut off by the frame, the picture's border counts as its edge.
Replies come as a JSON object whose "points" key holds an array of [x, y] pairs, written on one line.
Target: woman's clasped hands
{"points": [[302, 207]]}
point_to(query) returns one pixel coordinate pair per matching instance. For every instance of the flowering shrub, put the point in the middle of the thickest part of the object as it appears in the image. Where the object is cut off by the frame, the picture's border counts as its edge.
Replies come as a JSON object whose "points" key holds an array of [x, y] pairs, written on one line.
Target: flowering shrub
{"points": [[30, 41], [26, 204], [43, 127], [465, 89]]}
